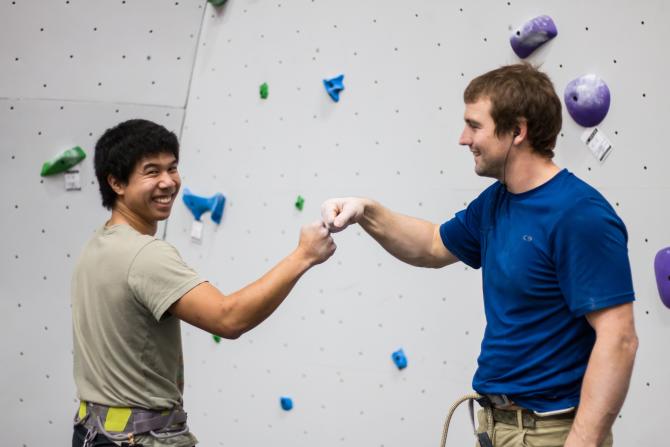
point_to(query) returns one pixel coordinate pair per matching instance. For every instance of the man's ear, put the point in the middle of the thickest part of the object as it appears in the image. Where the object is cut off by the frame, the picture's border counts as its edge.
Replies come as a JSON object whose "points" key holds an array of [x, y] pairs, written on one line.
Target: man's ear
{"points": [[520, 132], [116, 185]]}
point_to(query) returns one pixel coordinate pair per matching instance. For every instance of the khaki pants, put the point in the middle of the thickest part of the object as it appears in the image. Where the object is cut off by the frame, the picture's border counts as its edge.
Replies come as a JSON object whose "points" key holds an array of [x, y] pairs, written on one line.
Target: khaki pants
{"points": [[549, 433]]}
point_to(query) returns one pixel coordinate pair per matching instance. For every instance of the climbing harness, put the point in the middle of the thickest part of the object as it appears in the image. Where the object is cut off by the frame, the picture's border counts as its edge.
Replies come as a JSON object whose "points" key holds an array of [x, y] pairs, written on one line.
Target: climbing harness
{"points": [[124, 424]]}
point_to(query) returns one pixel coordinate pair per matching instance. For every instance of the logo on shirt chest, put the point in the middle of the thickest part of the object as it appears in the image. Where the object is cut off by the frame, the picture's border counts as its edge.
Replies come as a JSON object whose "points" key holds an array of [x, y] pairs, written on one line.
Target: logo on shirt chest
{"points": [[514, 256]]}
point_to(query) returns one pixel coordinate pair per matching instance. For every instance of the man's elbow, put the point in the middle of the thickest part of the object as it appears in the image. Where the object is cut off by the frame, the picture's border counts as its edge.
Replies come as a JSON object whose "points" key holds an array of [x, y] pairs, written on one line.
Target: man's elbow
{"points": [[628, 339], [425, 262], [630, 343], [229, 333], [438, 260], [230, 327], [626, 343], [233, 335], [434, 263]]}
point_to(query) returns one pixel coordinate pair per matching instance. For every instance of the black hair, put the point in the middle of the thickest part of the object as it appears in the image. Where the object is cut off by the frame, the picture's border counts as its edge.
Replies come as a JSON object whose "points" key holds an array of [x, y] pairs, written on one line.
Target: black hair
{"points": [[120, 148]]}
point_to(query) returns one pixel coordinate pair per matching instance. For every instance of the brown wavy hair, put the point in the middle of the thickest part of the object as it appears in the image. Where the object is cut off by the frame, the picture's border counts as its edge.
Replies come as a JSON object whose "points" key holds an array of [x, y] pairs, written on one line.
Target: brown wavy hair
{"points": [[521, 92]]}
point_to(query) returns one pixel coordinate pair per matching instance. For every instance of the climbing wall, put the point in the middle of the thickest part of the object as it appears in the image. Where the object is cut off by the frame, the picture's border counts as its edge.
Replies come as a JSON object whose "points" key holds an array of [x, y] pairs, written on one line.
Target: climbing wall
{"points": [[392, 136], [70, 70]]}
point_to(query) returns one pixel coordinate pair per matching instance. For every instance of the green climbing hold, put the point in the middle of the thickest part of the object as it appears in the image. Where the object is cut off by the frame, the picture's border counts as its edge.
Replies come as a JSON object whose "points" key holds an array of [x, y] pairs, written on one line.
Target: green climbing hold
{"points": [[217, 2], [300, 203], [216, 338], [63, 162], [264, 90]]}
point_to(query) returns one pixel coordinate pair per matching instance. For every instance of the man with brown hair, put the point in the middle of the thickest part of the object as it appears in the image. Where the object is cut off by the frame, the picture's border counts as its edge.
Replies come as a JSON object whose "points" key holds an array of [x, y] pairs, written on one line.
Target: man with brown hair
{"points": [[560, 340]]}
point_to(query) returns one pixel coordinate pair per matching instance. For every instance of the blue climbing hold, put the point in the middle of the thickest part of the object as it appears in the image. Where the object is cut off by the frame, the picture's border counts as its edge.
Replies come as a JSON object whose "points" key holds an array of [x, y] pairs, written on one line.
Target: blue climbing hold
{"points": [[217, 211], [399, 359], [199, 205], [334, 86], [286, 403]]}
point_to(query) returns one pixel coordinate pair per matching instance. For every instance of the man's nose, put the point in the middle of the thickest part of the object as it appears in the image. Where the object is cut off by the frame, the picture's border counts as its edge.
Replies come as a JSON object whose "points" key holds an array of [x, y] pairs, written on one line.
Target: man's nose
{"points": [[465, 139], [166, 180]]}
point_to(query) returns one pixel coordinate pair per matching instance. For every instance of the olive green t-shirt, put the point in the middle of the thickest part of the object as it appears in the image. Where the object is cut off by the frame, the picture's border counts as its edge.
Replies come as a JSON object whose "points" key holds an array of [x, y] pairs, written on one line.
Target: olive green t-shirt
{"points": [[127, 347]]}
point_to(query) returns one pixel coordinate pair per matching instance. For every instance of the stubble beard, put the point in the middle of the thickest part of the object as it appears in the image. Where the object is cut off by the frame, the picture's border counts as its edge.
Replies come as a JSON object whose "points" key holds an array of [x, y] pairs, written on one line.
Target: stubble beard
{"points": [[492, 168]]}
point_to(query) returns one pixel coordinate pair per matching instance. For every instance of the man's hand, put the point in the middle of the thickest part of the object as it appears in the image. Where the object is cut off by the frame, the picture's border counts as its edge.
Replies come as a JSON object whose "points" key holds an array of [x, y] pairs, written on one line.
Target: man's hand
{"points": [[338, 214], [316, 245]]}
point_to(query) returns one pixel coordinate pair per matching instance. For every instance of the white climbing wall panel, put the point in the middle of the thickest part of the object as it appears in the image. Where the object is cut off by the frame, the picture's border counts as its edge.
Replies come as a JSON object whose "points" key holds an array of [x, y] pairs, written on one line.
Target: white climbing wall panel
{"points": [[393, 136], [129, 51]]}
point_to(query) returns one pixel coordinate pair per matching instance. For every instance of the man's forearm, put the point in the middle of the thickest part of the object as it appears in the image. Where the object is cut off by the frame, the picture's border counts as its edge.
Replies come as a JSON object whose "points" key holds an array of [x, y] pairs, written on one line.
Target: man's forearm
{"points": [[257, 301], [604, 389], [407, 238]]}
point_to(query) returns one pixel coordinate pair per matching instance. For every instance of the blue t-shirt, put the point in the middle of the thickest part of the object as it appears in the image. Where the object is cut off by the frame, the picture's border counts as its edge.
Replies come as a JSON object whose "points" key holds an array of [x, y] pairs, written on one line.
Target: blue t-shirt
{"points": [[548, 256]]}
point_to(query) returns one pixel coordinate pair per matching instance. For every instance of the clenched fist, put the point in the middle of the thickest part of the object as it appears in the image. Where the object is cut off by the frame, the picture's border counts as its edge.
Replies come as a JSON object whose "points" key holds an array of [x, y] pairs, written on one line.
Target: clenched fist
{"points": [[338, 214], [316, 244]]}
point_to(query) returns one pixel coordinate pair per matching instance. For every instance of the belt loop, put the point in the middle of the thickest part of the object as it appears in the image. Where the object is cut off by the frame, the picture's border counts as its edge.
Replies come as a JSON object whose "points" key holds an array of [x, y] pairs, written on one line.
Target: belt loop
{"points": [[519, 419]]}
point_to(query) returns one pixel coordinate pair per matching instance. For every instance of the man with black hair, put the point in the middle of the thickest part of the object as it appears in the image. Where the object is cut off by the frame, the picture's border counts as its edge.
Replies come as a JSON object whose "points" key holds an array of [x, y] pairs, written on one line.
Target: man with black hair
{"points": [[130, 290], [560, 339]]}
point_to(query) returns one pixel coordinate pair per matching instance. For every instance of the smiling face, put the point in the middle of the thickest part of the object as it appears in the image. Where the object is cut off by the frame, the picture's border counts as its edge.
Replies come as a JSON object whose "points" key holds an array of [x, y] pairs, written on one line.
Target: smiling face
{"points": [[489, 150], [151, 190]]}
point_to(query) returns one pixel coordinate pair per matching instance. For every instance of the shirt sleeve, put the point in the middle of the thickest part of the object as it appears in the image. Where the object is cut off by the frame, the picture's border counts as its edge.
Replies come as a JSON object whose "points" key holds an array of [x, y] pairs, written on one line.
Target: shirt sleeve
{"points": [[159, 277], [591, 256], [461, 234]]}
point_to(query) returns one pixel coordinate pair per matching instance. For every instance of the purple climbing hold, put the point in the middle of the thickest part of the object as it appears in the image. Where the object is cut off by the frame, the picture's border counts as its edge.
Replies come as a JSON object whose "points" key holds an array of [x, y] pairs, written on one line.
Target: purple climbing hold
{"points": [[532, 35], [587, 99], [662, 268]]}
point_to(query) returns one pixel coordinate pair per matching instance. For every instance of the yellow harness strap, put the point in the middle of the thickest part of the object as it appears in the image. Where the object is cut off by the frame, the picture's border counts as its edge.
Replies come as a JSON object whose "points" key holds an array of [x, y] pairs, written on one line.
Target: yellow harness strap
{"points": [[82, 410], [116, 419]]}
